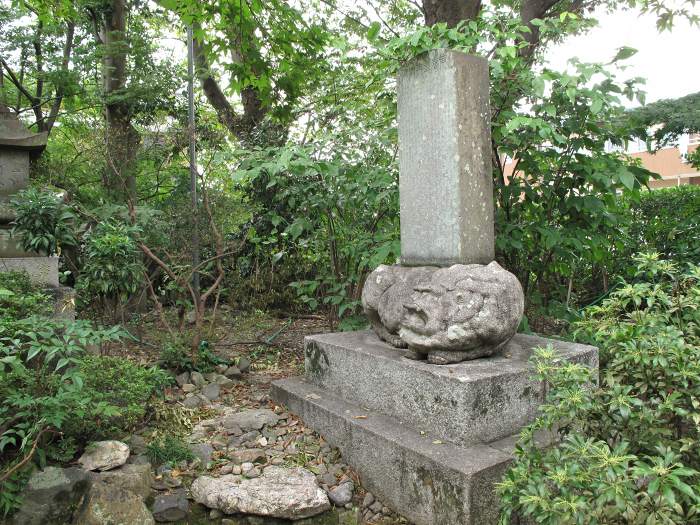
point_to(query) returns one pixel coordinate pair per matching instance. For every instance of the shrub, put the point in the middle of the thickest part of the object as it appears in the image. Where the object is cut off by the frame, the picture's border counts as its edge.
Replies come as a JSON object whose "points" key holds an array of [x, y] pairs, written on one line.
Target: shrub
{"points": [[629, 451], [176, 356], [168, 450], [112, 268], [666, 221], [44, 221], [119, 383], [19, 298]]}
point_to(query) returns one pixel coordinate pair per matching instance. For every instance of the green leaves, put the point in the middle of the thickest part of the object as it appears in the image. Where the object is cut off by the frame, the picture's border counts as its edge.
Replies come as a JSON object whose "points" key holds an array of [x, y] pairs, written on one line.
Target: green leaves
{"points": [[630, 447], [623, 53]]}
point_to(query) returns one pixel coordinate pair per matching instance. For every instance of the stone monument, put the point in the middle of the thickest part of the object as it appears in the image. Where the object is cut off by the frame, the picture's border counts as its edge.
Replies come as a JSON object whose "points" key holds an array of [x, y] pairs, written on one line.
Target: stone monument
{"points": [[17, 146], [427, 406]]}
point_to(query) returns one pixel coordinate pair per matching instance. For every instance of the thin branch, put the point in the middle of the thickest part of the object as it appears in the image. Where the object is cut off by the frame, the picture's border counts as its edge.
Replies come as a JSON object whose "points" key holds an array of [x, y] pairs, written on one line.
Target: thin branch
{"points": [[29, 456]]}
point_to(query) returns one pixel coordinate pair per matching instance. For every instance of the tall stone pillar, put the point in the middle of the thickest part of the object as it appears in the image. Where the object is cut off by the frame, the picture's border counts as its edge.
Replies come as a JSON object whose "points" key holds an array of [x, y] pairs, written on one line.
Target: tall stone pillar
{"points": [[446, 190]]}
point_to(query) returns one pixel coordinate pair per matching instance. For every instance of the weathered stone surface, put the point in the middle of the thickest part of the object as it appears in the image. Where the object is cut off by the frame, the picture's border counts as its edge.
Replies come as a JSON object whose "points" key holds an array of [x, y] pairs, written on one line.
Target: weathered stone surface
{"points": [[197, 379], [52, 495], [252, 419], [342, 494], [104, 455], [447, 314], [169, 508], [249, 455], [202, 451], [445, 181], [466, 403], [182, 379], [243, 364], [111, 505], [43, 271], [211, 391], [136, 478], [428, 481], [279, 492]]}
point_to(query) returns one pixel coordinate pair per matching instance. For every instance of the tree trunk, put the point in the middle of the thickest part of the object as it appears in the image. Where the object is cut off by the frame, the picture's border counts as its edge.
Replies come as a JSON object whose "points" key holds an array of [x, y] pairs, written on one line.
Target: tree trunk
{"points": [[121, 138], [450, 12]]}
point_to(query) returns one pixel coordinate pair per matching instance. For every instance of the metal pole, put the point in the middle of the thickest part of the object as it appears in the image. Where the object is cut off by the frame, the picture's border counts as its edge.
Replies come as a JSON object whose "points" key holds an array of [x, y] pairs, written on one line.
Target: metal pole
{"points": [[193, 159]]}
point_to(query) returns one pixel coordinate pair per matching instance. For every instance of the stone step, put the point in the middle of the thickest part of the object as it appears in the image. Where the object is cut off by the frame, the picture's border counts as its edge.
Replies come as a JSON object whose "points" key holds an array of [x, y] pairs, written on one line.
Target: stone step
{"points": [[429, 481], [468, 403]]}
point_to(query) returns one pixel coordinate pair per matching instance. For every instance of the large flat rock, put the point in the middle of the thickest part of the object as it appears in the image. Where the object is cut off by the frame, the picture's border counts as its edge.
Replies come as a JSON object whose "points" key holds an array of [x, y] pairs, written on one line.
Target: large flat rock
{"points": [[428, 481], [468, 403]]}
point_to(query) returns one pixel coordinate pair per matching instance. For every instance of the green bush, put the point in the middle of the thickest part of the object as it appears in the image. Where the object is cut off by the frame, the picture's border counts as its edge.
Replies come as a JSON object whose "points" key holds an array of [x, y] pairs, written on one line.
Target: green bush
{"points": [[177, 356], [168, 450], [112, 267], [629, 451], [19, 298], [45, 223], [119, 383]]}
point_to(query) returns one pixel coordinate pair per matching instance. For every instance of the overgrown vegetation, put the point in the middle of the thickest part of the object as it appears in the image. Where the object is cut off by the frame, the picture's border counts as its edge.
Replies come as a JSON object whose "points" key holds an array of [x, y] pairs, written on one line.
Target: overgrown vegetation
{"points": [[56, 397], [629, 446]]}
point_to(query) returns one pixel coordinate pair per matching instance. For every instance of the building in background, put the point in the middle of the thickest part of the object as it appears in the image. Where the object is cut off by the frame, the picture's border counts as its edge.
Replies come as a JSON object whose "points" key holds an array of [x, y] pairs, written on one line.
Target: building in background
{"points": [[669, 162]]}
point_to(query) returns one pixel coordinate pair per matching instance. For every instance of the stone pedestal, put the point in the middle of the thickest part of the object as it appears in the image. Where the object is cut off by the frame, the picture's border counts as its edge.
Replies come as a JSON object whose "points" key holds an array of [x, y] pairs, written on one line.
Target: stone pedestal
{"points": [[429, 441]]}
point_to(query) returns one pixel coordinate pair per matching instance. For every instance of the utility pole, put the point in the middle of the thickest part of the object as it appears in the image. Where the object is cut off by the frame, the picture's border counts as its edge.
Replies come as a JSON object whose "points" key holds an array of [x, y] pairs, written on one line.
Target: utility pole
{"points": [[193, 160]]}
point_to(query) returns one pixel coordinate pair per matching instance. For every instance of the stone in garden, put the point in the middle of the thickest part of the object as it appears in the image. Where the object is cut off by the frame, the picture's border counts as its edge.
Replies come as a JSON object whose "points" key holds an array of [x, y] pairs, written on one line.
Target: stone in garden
{"points": [[281, 493], [445, 179], [182, 379], [197, 379], [202, 451], [134, 478], [243, 364], [52, 495], [233, 372], [193, 401], [169, 508], [252, 419], [211, 391], [107, 504], [250, 455], [188, 388], [137, 444], [445, 314], [104, 455], [342, 494]]}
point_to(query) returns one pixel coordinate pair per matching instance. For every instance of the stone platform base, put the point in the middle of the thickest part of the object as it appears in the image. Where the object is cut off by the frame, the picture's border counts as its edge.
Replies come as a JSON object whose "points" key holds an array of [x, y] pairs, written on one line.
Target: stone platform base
{"points": [[430, 441]]}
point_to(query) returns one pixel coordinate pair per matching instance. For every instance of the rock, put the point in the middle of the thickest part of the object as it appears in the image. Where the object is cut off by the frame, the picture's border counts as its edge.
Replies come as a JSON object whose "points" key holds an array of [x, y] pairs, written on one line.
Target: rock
{"points": [[171, 507], [51, 496], [137, 444], [252, 419], [250, 455], [243, 364], [197, 379], [134, 478], [233, 372], [342, 494], [191, 317], [225, 382], [226, 469], [445, 314], [368, 500], [182, 379], [107, 504], [193, 401], [376, 506], [188, 387], [202, 451], [211, 391], [104, 455], [237, 441], [278, 492]]}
